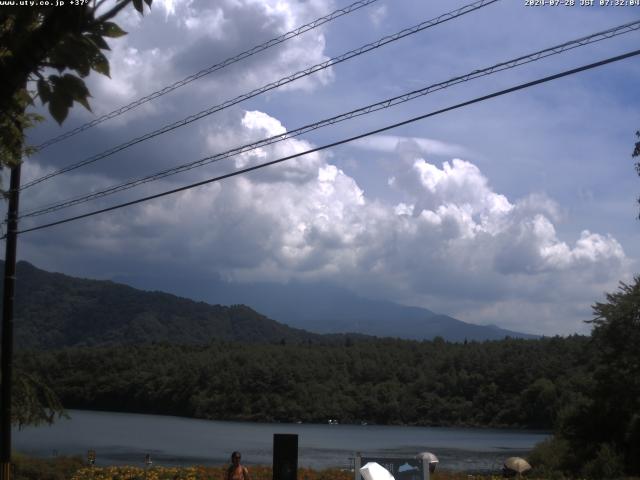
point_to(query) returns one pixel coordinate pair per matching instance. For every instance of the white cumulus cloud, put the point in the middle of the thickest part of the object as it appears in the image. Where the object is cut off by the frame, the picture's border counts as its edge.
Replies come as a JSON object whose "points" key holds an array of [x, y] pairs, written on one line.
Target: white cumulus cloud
{"points": [[454, 244]]}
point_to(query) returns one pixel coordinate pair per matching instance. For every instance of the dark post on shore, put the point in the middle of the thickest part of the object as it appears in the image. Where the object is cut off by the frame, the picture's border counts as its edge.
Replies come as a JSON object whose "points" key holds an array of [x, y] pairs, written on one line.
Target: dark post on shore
{"points": [[6, 358], [285, 456]]}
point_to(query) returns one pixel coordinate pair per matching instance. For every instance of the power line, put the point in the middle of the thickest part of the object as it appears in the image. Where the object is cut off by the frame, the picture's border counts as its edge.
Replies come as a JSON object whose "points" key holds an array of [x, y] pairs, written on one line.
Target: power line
{"points": [[213, 68], [596, 37], [283, 81], [340, 142]]}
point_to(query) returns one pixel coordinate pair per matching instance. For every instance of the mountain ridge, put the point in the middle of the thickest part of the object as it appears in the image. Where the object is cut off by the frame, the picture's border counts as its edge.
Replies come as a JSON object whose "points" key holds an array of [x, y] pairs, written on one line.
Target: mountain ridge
{"points": [[54, 310], [323, 308]]}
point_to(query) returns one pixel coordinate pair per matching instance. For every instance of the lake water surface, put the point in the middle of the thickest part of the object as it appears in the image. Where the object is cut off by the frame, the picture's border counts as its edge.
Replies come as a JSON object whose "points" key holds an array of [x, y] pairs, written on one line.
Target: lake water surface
{"points": [[122, 438]]}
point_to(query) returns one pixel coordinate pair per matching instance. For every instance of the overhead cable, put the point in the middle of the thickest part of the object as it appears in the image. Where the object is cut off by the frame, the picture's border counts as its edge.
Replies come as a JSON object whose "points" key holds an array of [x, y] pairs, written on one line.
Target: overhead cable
{"points": [[271, 86], [522, 60], [339, 142], [213, 68]]}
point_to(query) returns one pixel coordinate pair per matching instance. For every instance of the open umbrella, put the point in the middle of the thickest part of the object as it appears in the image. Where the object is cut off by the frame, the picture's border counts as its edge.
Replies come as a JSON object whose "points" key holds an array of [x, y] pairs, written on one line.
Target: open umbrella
{"points": [[517, 464], [375, 471]]}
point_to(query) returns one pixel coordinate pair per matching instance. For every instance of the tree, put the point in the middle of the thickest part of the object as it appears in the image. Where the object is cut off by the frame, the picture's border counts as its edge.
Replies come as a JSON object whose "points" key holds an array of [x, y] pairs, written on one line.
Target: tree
{"points": [[636, 153], [616, 336], [598, 432], [34, 401], [46, 52]]}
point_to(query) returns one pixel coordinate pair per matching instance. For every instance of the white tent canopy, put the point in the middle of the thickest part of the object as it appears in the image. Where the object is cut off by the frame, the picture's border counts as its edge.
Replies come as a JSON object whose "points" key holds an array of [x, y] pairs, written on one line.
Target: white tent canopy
{"points": [[375, 471]]}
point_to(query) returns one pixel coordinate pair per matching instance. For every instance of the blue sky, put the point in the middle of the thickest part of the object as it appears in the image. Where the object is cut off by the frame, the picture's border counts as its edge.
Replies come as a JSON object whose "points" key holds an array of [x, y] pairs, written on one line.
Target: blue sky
{"points": [[519, 211]]}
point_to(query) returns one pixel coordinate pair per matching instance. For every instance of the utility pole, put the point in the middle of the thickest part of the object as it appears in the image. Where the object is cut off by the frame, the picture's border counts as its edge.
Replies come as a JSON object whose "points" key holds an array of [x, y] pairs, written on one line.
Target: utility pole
{"points": [[6, 358]]}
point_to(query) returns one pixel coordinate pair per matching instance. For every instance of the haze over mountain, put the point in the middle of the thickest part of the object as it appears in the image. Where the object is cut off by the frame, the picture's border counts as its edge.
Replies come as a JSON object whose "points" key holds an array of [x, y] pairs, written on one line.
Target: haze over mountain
{"points": [[323, 308], [55, 310]]}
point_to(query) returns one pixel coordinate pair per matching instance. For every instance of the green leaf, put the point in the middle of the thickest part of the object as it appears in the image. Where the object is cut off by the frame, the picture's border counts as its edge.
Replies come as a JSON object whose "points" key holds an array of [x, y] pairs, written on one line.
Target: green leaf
{"points": [[64, 56], [100, 64], [44, 90], [98, 41], [74, 85], [138, 5], [84, 102], [111, 30], [60, 91], [76, 89], [73, 53], [58, 109], [85, 50]]}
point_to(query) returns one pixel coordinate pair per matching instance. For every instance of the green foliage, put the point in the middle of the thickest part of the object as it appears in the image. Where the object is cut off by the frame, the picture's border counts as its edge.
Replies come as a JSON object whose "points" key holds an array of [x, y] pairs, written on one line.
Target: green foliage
{"points": [[636, 153], [35, 41], [34, 402], [548, 459], [601, 422], [380, 381], [538, 400], [12, 128], [616, 336], [608, 463], [108, 29]]}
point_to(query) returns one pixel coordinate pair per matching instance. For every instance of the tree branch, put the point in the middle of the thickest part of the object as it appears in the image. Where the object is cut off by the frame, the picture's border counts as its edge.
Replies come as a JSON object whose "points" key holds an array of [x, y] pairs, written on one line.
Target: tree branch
{"points": [[113, 12]]}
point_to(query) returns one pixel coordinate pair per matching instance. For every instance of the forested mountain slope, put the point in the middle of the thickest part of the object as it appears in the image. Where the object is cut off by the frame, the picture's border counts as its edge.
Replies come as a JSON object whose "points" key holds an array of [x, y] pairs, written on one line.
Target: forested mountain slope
{"points": [[55, 310]]}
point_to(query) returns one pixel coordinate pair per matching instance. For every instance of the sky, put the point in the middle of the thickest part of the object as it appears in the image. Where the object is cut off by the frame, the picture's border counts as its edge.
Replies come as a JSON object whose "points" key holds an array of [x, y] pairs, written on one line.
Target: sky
{"points": [[518, 211]]}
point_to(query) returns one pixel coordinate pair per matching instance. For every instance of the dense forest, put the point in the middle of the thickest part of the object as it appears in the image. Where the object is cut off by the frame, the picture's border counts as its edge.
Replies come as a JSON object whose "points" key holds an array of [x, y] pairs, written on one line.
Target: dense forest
{"points": [[514, 382]]}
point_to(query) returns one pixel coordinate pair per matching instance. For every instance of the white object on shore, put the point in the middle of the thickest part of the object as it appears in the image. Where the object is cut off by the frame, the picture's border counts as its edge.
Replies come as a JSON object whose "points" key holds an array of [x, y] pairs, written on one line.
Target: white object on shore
{"points": [[429, 462], [375, 471], [428, 456], [517, 464]]}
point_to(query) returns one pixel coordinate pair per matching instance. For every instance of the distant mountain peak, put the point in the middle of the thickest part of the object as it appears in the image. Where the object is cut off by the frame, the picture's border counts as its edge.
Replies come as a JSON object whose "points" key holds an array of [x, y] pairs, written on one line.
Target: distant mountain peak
{"points": [[323, 308]]}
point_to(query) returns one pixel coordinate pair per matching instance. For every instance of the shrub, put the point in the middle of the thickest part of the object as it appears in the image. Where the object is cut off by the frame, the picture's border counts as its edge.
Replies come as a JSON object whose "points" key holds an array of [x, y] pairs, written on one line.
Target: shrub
{"points": [[608, 463], [548, 458]]}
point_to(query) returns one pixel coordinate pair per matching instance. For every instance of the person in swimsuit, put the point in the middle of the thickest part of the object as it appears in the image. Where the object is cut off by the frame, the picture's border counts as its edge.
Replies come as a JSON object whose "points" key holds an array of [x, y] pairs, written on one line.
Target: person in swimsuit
{"points": [[235, 470]]}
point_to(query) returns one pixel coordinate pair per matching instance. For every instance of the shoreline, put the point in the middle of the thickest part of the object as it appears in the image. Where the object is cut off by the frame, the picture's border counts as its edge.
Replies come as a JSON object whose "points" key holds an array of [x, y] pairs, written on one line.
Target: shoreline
{"points": [[123, 438], [488, 428]]}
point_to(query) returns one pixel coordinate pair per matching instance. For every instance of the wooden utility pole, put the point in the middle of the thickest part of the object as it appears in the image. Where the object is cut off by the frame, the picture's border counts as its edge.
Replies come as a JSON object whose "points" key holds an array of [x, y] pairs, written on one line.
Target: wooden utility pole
{"points": [[6, 357]]}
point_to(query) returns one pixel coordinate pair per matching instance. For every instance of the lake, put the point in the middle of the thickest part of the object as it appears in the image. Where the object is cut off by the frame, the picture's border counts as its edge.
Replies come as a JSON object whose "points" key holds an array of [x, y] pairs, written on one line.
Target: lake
{"points": [[123, 438]]}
